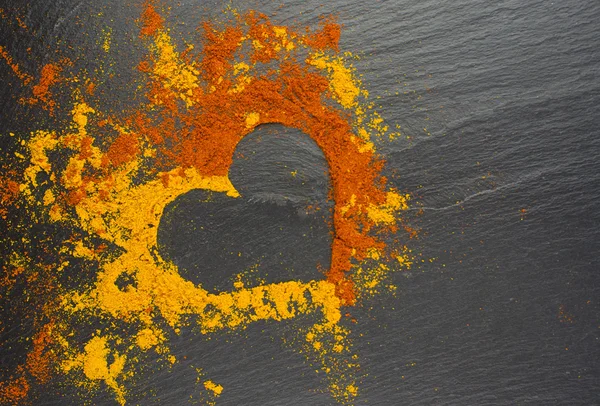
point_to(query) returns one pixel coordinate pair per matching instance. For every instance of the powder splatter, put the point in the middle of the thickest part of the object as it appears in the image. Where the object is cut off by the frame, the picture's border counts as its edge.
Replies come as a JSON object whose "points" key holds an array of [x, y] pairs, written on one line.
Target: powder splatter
{"points": [[42, 91], [106, 178], [14, 391]]}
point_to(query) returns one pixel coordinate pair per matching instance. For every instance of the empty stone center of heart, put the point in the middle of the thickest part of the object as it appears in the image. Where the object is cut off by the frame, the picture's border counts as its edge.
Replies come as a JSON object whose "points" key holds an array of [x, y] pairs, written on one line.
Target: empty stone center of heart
{"points": [[278, 230]]}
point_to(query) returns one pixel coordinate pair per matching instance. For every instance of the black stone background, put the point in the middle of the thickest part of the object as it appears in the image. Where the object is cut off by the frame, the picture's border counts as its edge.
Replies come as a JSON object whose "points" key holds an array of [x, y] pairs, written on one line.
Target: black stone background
{"points": [[501, 101]]}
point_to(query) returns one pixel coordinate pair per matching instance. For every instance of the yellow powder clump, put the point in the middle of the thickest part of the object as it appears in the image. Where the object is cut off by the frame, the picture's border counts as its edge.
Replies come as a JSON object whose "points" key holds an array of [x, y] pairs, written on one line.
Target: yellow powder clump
{"points": [[387, 213], [148, 338], [72, 178], [240, 67], [94, 362], [216, 389], [241, 78], [173, 72], [352, 390], [282, 34], [80, 112], [252, 119], [48, 197], [345, 87], [81, 251], [40, 143], [55, 213]]}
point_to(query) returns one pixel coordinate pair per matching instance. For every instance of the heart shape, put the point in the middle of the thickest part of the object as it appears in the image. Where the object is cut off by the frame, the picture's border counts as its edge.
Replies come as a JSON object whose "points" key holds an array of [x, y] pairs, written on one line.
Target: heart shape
{"points": [[282, 177]]}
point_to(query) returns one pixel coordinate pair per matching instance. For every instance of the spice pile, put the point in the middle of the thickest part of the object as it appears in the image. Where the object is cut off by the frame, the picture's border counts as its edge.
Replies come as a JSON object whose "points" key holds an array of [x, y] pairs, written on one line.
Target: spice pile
{"points": [[103, 180]]}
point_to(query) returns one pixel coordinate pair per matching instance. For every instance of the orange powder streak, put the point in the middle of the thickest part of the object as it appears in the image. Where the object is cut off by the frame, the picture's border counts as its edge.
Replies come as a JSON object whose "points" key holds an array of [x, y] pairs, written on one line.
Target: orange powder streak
{"points": [[151, 20], [42, 93], [327, 37], [24, 77], [15, 390], [122, 150], [218, 51], [40, 360], [39, 365], [9, 192]]}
